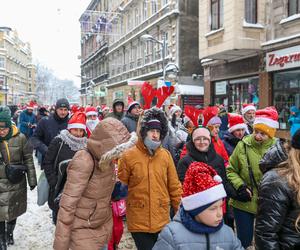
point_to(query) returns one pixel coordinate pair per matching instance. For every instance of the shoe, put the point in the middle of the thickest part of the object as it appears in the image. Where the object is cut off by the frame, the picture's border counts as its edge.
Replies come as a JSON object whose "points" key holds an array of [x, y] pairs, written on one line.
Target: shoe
{"points": [[3, 245], [10, 234]]}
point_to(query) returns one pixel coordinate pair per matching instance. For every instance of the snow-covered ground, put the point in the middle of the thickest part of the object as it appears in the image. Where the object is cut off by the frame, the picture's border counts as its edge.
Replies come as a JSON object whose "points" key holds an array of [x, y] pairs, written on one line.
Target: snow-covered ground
{"points": [[34, 229]]}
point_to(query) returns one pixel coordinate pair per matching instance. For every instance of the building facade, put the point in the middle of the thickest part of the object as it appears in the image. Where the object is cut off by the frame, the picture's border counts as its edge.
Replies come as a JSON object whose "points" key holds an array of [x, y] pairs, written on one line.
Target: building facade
{"points": [[241, 44], [17, 72], [131, 59]]}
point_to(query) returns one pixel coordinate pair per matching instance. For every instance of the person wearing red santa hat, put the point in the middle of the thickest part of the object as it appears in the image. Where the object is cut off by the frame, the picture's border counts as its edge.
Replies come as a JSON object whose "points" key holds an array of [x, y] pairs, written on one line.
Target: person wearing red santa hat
{"points": [[248, 113], [60, 151], [244, 172], [199, 221], [27, 121], [91, 119], [104, 111], [235, 133], [213, 122]]}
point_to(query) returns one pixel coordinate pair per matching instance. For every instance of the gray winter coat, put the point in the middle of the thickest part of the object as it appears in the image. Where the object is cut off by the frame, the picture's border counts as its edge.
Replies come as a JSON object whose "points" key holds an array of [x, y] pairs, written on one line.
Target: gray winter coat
{"points": [[130, 122], [175, 236], [13, 197]]}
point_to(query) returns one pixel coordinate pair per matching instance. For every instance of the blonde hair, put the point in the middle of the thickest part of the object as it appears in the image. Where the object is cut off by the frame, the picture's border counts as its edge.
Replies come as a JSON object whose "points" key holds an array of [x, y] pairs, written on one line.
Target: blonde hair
{"points": [[290, 169]]}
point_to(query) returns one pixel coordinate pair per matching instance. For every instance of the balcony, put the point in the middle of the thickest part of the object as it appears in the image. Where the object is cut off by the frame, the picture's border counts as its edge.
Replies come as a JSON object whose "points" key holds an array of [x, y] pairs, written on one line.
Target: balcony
{"points": [[236, 38]]}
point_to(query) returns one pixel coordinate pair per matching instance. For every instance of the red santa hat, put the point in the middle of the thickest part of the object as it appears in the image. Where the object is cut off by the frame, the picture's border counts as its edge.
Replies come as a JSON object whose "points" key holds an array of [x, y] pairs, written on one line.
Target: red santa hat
{"points": [[78, 120], [210, 116], [202, 187], [104, 108], [235, 122], [267, 116], [247, 107], [30, 106], [91, 111]]}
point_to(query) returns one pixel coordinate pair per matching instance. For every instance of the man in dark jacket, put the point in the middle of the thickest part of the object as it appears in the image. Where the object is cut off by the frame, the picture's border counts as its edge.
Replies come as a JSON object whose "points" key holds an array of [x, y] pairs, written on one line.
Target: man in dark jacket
{"points": [[132, 115], [48, 128], [27, 121], [118, 110]]}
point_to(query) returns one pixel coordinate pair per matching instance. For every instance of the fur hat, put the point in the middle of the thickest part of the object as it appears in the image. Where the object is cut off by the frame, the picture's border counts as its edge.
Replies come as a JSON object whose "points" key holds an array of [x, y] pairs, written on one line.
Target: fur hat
{"points": [[266, 120], [154, 114], [202, 187]]}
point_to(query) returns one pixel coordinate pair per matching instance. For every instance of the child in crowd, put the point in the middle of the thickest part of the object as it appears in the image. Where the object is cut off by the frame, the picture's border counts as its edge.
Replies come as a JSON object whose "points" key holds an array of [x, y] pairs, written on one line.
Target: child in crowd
{"points": [[199, 221]]}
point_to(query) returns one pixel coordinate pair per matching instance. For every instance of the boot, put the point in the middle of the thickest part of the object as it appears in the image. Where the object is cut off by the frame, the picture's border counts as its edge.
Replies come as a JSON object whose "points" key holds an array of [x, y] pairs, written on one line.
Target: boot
{"points": [[10, 233], [3, 245]]}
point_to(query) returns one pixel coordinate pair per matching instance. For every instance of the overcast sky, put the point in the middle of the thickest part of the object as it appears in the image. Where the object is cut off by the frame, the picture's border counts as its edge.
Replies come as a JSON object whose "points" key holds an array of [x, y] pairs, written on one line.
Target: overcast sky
{"points": [[52, 28]]}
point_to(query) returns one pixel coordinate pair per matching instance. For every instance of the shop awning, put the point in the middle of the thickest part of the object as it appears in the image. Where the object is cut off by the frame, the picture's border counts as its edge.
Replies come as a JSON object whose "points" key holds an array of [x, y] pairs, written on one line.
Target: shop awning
{"points": [[190, 89]]}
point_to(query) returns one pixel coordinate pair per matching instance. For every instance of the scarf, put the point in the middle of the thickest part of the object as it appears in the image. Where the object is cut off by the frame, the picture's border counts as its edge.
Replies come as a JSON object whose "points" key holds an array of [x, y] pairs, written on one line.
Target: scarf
{"points": [[205, 157], [194, 226], [91, 124], [151, 145], [8, 136], [75, 143]]}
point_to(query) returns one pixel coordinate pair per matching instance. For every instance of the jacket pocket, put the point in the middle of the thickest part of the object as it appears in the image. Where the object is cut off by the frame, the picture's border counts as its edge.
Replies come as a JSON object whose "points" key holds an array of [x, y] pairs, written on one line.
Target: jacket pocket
{"points": [[135, 204], [164, 204]]}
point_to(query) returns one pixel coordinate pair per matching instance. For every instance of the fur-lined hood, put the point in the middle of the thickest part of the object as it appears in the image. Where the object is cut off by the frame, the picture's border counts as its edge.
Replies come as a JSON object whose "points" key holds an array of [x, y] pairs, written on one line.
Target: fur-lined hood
{"points": [[109, 140], [154, 113]]}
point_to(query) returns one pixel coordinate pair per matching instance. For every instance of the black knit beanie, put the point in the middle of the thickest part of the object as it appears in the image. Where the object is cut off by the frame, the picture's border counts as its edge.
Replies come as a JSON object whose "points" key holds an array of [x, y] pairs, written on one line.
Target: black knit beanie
{"points": [[62, 103], [296, 140]]}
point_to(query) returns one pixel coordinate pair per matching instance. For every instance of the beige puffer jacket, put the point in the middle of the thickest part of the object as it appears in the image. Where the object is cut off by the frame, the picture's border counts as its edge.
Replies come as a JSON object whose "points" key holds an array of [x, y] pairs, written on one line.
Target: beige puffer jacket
{"points": [[84, 218]]}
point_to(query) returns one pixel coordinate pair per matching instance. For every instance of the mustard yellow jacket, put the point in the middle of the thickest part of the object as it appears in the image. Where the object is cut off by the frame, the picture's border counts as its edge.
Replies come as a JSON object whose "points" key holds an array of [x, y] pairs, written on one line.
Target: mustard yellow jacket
{"points": [[153, 186]]}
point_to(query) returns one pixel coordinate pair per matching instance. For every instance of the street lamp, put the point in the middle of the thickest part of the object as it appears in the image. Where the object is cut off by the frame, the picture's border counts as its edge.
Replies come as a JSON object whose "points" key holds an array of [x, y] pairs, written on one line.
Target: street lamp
{"points": [[163, 43]]}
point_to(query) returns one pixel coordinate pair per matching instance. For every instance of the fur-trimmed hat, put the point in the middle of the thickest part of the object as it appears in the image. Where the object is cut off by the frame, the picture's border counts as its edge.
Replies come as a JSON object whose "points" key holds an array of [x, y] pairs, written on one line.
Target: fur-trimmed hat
{"points": [[202, 187], [132, 105], [78, 120], [235, 122], [91, 111], [154, 114], [174, 109], [247, 107]]}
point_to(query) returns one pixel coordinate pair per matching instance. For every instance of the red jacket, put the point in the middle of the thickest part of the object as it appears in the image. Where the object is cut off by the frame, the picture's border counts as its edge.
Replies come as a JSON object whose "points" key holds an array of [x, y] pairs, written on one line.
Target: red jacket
{"points": [[220, 149]]}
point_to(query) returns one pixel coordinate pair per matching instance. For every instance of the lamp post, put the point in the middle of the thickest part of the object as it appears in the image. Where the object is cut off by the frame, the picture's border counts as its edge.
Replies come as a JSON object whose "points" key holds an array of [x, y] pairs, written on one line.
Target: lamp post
{"points": [[163, 43]]}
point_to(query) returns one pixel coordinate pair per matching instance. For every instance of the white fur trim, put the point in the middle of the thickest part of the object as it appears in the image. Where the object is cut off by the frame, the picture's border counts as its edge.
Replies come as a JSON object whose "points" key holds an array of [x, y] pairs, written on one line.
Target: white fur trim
{"points": [[217, 178], [117, 151], [76, 125], [237, 126], [267, 121], [203, 198], [29, 107], [248, 108], [91, 113]]}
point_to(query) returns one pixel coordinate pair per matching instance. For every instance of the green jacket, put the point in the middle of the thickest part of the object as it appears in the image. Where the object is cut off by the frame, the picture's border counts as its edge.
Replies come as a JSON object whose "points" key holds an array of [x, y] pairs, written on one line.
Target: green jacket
{"points": [[13, 197], [237, 171]]}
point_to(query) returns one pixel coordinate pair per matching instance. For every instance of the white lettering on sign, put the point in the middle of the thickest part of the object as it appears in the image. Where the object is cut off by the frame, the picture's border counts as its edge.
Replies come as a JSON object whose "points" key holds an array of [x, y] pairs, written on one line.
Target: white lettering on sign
{"points": [[283, 59]]}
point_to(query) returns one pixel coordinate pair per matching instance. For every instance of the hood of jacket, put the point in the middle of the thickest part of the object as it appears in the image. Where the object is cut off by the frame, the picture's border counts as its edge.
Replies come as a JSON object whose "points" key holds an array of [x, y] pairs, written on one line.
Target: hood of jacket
{"points": [[231, 139], [274, 156], [109, 140]]}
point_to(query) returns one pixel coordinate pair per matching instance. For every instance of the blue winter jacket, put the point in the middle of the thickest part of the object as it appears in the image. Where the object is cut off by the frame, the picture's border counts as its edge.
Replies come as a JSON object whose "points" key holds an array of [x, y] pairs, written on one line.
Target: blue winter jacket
{"points": [[294, 120], [230, 142], [175, 236], [24, 120]]}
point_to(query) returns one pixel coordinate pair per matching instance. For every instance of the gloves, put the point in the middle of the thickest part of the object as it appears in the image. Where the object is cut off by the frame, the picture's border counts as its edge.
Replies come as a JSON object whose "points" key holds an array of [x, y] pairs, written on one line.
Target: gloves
{"points": [[32, 187], [242, 194]]}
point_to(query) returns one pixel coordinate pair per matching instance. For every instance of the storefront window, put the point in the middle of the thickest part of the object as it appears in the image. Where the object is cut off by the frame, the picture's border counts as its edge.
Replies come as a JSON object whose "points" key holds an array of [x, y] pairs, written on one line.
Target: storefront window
{"points": [[286, 93], [234, 93]]}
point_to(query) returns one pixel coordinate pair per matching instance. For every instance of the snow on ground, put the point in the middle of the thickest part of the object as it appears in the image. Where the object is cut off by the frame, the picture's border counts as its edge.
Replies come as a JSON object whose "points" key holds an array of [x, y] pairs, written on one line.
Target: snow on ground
{"points": [[34, 229]]}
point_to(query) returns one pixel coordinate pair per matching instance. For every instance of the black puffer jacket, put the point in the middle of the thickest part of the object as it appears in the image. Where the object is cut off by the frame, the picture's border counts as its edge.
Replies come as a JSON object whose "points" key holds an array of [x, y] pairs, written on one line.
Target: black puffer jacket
{"points": [[277, 207], [211, 158]]}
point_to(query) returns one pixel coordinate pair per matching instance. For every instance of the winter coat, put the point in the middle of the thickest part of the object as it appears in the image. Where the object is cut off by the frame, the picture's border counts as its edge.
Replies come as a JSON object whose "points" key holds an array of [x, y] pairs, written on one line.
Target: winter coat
{"points": [[220, 149], [70, 146], [294, 120], [13, 197], [84, 217], [211, 158], [130, 122], [24, 120], [47, 129], [175, 236], [230, 142], [153, 186], [238, 173], [114, 114], [277, 206]]}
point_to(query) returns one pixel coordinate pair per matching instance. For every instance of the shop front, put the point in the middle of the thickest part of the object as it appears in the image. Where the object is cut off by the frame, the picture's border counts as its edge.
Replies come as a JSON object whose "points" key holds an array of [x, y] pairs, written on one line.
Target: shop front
{"points": [[284, 68]]}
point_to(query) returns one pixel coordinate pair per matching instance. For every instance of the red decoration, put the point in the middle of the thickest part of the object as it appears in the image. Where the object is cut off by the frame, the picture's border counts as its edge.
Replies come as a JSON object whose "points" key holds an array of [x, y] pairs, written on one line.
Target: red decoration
{"points": [[193, 113], [162, 94], [148, 92]]}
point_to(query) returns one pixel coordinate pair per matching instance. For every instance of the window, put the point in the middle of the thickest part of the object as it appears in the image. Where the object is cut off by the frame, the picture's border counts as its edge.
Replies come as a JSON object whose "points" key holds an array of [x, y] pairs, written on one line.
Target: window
{"points": [[2, 62], [164, 2], [216, 14], [145, 10], [251, 11], [293, 7], [286, 93], [154, 7], [29, 74]]}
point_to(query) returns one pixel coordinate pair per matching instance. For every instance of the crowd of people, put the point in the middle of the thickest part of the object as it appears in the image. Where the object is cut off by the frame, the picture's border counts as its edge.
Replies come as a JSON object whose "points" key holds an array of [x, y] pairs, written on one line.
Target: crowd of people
{"points": [[198, 178]]}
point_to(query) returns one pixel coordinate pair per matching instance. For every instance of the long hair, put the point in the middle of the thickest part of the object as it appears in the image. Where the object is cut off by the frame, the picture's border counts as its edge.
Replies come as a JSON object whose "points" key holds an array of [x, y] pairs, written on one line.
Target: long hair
{"points": [[290, 169]]}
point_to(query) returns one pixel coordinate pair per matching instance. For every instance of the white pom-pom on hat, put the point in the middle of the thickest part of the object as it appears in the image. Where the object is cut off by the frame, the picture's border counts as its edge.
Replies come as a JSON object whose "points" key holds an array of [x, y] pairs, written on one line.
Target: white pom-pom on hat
{"points": [[217, 178]]}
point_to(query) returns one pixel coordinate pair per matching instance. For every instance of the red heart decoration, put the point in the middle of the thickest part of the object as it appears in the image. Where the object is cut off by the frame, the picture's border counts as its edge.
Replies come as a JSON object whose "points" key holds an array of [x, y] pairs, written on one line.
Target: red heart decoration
{"points": [[148, 92], [162, 94]]}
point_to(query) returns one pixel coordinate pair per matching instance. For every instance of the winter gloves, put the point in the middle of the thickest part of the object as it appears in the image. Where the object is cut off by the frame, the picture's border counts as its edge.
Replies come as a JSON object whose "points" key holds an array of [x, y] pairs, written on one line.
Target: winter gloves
{"points": [[243, 193]]}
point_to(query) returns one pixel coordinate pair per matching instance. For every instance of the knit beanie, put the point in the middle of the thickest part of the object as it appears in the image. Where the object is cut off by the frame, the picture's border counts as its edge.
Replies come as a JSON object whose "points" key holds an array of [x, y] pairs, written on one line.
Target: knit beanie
{"points": [[296, 140], [266, 120], [62, 103], [5, 117], [202, 187], [132, 105], [201, 132]]}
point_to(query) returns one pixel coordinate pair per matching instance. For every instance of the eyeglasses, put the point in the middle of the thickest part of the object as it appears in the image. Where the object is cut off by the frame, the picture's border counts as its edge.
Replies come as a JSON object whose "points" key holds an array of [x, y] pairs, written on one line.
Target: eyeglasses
{"points": [[201, 139]]}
